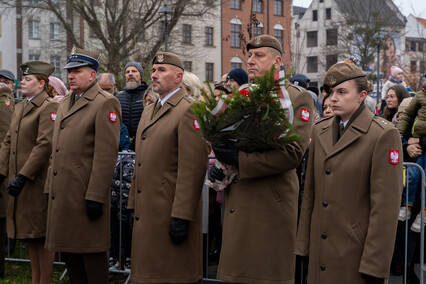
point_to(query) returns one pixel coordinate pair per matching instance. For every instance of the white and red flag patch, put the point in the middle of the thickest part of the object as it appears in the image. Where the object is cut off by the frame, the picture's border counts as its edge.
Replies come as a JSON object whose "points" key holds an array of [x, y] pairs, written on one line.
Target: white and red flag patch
{"points": [[305, 114], [394, 157], [196, 125], [53, 116], [112, 116]]}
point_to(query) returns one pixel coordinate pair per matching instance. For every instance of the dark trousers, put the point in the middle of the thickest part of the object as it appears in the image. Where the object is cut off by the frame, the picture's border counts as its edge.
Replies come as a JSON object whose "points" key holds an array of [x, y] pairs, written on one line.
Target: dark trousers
{"points": [[87, 268], [2, 244], [126, 236]]}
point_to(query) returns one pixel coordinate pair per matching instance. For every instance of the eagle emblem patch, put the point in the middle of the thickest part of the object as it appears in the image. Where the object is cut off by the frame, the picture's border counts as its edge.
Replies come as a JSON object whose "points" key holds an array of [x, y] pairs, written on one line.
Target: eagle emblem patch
{"points": [[112, 117], [394, 157], [196, 125], [305, 114], [53, 116]]}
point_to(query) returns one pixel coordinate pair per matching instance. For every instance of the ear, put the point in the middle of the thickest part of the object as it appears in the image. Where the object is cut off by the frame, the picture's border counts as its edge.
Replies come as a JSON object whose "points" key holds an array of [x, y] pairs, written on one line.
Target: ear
{"points": [[41, 84], [277, 63], [92, 74], [362, 96], [179, 76]]}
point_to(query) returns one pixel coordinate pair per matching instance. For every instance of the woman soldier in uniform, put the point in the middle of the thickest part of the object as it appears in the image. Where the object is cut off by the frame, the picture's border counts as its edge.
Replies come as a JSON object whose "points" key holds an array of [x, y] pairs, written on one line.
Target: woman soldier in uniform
{"points": [[350, 210], [24, 158]]}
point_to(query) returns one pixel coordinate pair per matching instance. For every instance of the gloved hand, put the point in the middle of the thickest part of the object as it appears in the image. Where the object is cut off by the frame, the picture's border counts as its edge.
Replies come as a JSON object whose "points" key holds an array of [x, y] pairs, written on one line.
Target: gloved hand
{"points": [[16, 186], [94, 210], [372, 280], [178, 230], [2, 178], [215, 173], [226, 154]]}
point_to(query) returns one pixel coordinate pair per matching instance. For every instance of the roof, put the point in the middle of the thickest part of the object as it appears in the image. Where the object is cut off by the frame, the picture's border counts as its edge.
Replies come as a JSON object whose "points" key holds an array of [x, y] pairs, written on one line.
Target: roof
{"points": [[421, 21], [299, 11], [391, 15]]}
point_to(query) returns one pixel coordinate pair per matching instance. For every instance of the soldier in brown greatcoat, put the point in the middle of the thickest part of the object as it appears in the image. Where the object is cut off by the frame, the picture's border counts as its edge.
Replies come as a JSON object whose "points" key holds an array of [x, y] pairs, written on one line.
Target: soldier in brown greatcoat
{"points": [[353, 188], [24, 158], [84, 152], [259, 228], [6, 109], [170, 166]]}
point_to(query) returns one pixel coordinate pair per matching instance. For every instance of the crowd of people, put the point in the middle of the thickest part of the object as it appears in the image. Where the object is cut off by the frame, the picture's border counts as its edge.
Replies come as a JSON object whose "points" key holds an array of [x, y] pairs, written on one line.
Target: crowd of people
{"points": [[332, 198]]}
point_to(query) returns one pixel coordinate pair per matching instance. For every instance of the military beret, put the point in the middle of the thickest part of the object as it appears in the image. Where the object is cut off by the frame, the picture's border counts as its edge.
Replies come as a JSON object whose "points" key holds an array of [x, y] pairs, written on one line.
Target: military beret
{"points": [[265, 41], [4, 89], [37, 67], [80, 57], [167, 58], [341, 72]]}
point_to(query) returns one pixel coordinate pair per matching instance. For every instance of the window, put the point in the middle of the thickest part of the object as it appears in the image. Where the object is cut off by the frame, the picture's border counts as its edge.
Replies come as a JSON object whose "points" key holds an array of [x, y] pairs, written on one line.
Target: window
{"points": [[278, 34], [209, 72], [331, 37], [278, 7], [407, 45], [413, 46], [33, 29], [330, 60], [257, 6], [186, 31], [236, 4], [413, 66], [422, 65], [312, 64], [56, 61], [235, 65], [235, 35], [421, 47], [33, 57], [258, 30], [187, 65], [314, 15], [92, 33], [54, 31], [321, 1], [209, 36], [33, 2], [328, 13], [312, 39], [236, 62]]}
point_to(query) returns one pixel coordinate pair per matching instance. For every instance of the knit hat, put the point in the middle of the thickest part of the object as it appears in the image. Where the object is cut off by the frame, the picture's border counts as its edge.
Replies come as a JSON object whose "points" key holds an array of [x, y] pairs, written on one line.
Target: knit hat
{"points": [[58, 85], [239, 75], [297, 80], [395, 71], [137, 65]]}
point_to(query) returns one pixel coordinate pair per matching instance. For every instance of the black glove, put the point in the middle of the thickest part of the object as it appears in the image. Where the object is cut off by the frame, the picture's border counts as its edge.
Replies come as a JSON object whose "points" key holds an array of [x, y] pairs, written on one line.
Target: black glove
{"points": [[2, 178], [94, 210], [16, 186], [372, 280], [226, 154], [215, 174], [178, 230]]}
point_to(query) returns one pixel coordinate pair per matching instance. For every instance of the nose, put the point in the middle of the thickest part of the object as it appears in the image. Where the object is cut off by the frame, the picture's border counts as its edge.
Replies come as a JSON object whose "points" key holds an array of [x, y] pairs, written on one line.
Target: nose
{"points": [[250, 60]]}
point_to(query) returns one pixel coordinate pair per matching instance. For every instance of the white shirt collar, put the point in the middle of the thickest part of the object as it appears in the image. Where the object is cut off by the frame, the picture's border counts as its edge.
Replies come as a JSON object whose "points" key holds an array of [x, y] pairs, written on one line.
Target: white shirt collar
{"points": [[164, 100]]}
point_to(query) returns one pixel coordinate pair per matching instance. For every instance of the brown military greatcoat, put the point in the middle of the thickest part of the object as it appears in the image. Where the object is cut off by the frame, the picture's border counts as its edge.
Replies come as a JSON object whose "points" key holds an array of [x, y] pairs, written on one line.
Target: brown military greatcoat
{"points": [[26, 150], [170, 166], [85, 147], [351, 201], [259, 228]]}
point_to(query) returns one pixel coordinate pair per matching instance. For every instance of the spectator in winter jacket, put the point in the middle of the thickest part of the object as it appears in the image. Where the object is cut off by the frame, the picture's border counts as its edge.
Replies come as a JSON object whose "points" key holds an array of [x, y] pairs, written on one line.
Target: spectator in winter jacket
{"points": [[131, 98], [107, 82]]}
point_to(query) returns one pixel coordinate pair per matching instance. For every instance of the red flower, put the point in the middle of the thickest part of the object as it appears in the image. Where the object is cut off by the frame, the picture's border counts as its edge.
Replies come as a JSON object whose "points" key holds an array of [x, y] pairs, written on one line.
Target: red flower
{"points": [[245, 93]]}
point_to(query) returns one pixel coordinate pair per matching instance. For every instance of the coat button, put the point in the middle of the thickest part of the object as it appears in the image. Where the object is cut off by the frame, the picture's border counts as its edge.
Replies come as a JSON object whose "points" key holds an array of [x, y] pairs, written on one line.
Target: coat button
{"points": [[324, 236], [13, 152], [232, 210], [328, 171], [16, 131], [235, 180], [57, 149], [53, 197], [325, 204], [55, 173], [322, 267], [144, 137], [62, 127], [139, 190], [139, 164], [137, 218]]}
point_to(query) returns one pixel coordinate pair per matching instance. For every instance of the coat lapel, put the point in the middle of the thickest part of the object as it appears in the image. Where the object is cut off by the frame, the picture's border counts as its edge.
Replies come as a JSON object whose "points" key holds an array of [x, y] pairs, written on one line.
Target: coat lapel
{"points": [[89, 95], [37, 101], [170, 103]]}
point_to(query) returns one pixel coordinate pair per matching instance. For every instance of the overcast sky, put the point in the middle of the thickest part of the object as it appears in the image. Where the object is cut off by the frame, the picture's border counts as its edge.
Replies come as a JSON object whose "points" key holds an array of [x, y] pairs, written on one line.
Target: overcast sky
{"points": [[415, 7]]}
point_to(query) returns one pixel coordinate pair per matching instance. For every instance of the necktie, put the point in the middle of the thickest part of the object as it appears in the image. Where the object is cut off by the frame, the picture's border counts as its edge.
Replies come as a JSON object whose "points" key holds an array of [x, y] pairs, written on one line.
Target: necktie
{"points": [[157, 108], [341, 128]]}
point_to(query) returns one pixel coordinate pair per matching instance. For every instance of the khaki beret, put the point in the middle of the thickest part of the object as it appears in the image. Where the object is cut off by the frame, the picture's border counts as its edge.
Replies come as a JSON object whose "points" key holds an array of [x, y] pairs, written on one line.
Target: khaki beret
{"points": [[265, 41], [341, 72], [5, 90], [37, 67], [167, 58], [80, 57]]}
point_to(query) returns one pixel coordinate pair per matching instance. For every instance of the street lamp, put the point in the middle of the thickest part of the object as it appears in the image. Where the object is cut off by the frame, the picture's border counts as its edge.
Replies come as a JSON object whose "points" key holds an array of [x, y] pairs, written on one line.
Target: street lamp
{"points": [[379, 38], [166, 11]]}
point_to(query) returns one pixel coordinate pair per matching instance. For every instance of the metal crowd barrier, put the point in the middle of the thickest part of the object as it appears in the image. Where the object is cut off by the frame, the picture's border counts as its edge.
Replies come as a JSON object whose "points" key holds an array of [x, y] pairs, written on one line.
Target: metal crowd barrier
{"points": [[205, 217]]}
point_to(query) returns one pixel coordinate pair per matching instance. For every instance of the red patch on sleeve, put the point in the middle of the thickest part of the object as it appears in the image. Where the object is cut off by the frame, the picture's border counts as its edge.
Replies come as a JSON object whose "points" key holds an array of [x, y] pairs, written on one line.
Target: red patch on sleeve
{"points": [[394, 157], [7, 102], [196, 125], [305, 114], [112, 116], [53, 116]]}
